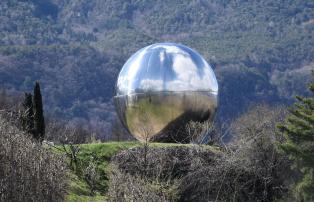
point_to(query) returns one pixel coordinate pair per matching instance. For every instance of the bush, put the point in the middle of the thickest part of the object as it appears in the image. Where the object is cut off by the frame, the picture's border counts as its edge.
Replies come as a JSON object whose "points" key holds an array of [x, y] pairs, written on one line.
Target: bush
{"points": [[127, 187], [156, 179], [28, 170]]}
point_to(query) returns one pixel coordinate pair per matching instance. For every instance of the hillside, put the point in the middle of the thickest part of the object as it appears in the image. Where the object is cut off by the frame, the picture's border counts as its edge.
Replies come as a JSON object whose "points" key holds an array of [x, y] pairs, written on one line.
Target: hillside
{"points": [[261, 51], [90, 179]]}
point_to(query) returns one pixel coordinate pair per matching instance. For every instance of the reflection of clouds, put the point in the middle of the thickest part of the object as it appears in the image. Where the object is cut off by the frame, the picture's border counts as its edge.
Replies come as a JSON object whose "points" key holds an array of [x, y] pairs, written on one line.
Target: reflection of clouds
{"points": [[135, 65], [170, 49], [151, 84], [122, 84], [129, 72], [162, 56], [191, 71], [210, 74], [188, 77]]}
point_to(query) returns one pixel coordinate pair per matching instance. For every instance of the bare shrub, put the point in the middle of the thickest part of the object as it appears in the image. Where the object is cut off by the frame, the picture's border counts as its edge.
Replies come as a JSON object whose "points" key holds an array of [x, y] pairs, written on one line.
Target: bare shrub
{"points": [[259, 121], [255, 140], [62, 132], [126, 187], [91, 176], [255, 146], [222, 181], [250, 169], [133, 179], [28, 170]]}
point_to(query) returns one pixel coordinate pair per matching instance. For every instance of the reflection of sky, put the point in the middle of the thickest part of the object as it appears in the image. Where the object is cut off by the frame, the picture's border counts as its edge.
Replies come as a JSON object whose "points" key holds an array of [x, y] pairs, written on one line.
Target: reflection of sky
{"points": [[166, 67]]}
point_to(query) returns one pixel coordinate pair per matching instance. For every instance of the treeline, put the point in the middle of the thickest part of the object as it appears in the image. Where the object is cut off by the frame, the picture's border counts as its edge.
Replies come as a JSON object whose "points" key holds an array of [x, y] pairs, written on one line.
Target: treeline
{"points": [[77, 48]]}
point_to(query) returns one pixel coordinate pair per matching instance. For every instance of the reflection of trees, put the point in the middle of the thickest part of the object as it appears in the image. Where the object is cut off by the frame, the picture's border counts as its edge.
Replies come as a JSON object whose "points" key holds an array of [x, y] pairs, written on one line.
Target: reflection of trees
{"points": [[146, 131], [145, 125]]}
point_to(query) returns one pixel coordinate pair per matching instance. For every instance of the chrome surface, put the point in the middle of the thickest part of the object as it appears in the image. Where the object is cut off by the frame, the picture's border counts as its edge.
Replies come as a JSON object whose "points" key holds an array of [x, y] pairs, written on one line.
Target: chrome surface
{"points": [[161, 88]]}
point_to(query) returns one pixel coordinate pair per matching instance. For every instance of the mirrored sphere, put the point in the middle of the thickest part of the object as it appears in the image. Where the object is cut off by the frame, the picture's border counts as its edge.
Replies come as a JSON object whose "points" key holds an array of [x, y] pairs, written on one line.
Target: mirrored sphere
{"points": [[161, 88]]}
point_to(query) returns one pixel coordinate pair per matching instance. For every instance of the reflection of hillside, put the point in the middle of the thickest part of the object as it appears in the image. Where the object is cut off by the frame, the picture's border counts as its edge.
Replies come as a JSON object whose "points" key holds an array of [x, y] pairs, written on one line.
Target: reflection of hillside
{"points": [[147, 115]]}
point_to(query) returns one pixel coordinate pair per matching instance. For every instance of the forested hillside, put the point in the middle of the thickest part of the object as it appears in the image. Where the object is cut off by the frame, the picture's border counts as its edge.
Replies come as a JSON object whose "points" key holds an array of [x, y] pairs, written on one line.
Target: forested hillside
{"points": [[261, 51]]}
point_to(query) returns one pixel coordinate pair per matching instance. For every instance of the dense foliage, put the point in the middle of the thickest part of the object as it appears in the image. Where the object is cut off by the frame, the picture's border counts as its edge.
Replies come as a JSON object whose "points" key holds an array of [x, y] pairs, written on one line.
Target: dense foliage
{"points": [[262, 51], [299, 146]]}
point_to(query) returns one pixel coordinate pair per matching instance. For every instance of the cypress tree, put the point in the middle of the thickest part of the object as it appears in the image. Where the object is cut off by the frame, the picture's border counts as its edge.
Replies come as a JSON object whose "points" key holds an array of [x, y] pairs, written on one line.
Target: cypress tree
{"points": [[3, 99], [39, 121], [28, 114], [298, 131]]}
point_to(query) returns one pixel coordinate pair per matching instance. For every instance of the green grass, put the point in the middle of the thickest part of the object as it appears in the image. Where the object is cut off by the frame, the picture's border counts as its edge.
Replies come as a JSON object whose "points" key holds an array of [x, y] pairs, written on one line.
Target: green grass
{"points": [[99, 154], [80, 191]]}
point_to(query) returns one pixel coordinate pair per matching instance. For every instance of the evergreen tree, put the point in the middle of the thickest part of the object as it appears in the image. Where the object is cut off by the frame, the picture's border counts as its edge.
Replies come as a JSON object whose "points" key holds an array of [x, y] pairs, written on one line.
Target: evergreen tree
{"points": [[299, 145], [3, 98], [39, 121], [28, 114]]}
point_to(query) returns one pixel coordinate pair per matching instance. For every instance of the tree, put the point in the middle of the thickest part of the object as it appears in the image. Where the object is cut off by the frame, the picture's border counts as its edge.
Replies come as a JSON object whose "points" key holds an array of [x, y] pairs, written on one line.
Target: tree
{"points": [[298, 131], [3, 98], [39, 121], [28, 113], [254, 147]]}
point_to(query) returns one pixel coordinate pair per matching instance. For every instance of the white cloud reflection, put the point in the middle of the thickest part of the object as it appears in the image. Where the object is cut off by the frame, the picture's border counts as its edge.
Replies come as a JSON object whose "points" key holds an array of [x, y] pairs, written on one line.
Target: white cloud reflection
{"points": [[189, 74]]}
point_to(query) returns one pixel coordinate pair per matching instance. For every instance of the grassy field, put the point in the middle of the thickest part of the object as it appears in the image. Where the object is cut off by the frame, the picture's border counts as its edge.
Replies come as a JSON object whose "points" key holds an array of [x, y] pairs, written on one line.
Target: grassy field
{"points": [[97, 156]]}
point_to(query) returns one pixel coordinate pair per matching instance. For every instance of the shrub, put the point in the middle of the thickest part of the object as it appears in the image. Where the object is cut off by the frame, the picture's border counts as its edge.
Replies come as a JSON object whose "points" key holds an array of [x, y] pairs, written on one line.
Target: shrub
{"points": [[28, 170], [156, 179]]}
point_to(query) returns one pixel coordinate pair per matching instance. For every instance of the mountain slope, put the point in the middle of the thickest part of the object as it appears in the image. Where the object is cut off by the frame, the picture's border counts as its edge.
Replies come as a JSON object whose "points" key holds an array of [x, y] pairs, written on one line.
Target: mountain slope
{"points": [[262, 51]]}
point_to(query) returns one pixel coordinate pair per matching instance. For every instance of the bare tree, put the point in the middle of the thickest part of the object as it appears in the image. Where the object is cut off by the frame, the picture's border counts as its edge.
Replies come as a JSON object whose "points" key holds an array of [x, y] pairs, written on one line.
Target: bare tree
{"points": [[65, 136], [61, 132], [254, 145], [145, 127]]}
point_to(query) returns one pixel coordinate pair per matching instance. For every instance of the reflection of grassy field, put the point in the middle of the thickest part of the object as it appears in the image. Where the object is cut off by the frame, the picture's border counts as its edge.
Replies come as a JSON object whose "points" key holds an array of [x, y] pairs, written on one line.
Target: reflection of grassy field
{"points": [[155, 116], [151, 115]]}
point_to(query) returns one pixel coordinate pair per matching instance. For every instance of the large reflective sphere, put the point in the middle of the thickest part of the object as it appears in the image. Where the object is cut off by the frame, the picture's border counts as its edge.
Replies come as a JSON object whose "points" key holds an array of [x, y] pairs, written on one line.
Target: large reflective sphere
{"points": [[161, 88]]}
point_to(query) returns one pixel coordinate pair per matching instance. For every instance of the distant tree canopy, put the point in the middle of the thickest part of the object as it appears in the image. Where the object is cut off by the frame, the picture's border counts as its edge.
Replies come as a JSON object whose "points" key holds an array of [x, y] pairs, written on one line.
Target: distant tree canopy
{"points": [[261, 51], [299, 145]]}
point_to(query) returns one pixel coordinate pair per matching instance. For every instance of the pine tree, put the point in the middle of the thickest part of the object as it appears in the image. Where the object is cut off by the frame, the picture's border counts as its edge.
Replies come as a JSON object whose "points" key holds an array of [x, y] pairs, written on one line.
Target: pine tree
{"points": [[28, 114], [39, 121], [298, 131]]}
